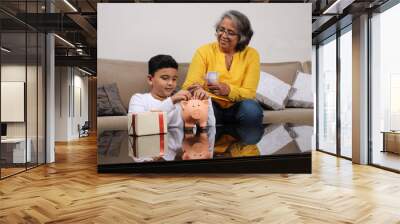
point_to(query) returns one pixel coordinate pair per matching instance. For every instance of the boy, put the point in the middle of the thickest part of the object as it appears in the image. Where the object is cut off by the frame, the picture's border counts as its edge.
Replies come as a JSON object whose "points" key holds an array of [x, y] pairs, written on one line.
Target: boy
{"points": [[162, 78]]}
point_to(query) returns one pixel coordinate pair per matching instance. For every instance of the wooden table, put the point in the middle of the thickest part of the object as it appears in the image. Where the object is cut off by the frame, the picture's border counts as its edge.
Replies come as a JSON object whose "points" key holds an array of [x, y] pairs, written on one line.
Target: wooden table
{"points": [[391, 141]]}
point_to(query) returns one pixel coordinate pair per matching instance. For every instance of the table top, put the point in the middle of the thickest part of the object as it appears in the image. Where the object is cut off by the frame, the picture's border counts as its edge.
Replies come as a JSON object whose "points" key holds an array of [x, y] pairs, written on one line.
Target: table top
{"points": [[213, 143], [392, 132], [13, 140]]}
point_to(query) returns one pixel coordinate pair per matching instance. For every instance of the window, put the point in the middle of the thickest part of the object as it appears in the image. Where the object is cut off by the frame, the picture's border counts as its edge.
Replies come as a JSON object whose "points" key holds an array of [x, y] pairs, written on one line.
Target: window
{"points": [[327, 96], [385, 84], [346, 93], [22, 65]]}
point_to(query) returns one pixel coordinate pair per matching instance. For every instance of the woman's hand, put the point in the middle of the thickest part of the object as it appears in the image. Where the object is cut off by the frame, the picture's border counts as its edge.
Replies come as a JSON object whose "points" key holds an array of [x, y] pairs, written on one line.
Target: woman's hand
{"points": [[198, 92], [221, 88], [194, 87]]}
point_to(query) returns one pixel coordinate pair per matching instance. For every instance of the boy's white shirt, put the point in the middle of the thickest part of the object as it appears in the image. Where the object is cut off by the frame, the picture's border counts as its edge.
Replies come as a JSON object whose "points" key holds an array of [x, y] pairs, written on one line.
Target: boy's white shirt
{"points": [[146, 102]]}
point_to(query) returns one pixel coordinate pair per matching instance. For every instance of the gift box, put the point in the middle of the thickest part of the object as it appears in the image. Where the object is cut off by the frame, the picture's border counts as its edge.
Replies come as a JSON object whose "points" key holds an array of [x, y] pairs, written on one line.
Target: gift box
{"points": [[147, 123], [150, 146]]}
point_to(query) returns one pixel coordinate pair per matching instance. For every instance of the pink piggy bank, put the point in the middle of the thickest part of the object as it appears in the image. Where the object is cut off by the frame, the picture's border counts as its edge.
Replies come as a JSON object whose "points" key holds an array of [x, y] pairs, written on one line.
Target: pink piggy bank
{"points": [[195, 147], [195, 112]]}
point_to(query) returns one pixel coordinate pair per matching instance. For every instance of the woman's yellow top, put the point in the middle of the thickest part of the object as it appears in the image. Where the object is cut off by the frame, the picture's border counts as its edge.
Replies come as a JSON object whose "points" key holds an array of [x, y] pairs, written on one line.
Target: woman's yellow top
{"points": [[242, 77]]}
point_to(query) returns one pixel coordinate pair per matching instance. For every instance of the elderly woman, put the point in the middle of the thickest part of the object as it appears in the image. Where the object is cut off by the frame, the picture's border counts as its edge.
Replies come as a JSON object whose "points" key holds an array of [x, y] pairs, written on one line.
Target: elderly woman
{"points": [[238, 69]]}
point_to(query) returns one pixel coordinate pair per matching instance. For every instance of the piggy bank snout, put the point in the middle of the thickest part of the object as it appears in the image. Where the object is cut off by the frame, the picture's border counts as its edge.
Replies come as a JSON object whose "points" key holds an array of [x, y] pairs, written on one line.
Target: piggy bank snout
{"points": [[196, 114]]}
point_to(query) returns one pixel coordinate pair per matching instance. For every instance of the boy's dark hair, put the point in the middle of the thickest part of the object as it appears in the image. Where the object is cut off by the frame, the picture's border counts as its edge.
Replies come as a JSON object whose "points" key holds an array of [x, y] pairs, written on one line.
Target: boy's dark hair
{"points": [[161, 61]]}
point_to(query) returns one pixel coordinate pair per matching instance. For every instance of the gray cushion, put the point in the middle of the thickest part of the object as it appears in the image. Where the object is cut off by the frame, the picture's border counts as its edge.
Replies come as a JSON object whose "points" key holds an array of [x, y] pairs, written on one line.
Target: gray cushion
{"points": [[109, 101], [103, 104]]}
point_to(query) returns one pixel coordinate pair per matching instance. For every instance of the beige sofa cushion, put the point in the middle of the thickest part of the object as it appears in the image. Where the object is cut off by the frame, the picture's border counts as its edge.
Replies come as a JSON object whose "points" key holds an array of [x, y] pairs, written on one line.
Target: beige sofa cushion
{"points": [[285, 71], [182, 71], [131, 78], [307, 67], [289, 115], [112, 123]]}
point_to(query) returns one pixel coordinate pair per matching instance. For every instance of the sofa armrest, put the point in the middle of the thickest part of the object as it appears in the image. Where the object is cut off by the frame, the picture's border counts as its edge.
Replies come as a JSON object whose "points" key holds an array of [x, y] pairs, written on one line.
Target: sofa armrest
{"points": [[112, 123]]}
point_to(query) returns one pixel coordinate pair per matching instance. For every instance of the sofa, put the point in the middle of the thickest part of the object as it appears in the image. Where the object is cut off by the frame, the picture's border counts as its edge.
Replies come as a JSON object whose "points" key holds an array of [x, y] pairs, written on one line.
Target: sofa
{"points": [[130, 77]]}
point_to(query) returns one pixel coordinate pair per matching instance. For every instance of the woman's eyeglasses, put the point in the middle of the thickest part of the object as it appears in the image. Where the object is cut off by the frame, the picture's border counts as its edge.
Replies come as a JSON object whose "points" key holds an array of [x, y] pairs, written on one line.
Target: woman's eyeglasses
{"points": [[229, 33]]}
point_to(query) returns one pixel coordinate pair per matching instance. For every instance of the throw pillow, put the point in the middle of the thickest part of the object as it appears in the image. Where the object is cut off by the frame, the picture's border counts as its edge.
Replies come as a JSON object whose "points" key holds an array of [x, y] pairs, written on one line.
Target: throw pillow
{"points": [[103, 105], [109, 101], [272, 92], [302, 95]]}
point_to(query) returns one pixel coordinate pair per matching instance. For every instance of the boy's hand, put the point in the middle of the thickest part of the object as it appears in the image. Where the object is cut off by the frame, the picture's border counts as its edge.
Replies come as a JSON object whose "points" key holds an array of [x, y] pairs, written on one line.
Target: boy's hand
{"points": [[181, 95], [198, 92]]}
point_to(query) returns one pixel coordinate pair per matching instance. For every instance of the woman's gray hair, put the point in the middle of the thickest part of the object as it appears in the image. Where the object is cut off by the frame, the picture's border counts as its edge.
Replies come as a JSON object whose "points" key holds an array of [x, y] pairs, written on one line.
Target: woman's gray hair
{"points": [[243, 25]]}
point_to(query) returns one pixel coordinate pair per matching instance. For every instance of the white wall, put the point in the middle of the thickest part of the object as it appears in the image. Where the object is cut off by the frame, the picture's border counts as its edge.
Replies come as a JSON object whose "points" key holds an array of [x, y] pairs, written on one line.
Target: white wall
{"points": [[17, 73], [62, 81], [13, 101], [79, 117], [68, 82], [33, 126], [14, 72], [282, 32], [82, 83]]}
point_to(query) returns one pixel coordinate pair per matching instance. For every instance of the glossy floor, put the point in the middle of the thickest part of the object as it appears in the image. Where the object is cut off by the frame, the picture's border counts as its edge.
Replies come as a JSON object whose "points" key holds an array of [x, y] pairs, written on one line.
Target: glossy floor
{"points": [[71, 191], [387, 159], [223, 142]]}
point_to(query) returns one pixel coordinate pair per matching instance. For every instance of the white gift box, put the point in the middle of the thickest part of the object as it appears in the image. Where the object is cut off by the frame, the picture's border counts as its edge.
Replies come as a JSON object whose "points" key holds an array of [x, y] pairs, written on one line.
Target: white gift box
{"points": [[146, 147], [147, 123]]}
